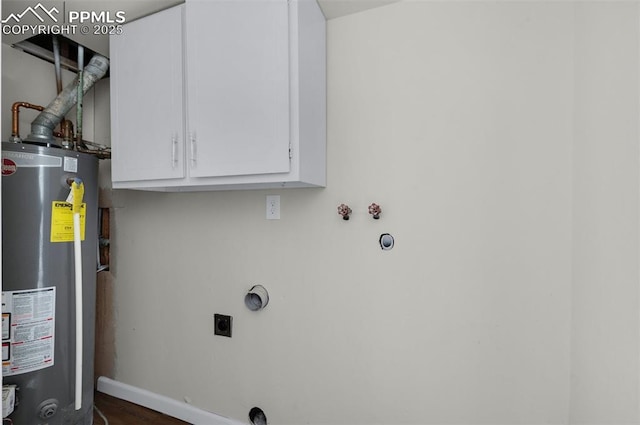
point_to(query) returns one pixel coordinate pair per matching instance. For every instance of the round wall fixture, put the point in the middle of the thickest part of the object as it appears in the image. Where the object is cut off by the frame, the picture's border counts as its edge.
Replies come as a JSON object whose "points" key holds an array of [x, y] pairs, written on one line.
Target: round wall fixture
{"points": [[386, 241], [257, 416], [257, 298]]}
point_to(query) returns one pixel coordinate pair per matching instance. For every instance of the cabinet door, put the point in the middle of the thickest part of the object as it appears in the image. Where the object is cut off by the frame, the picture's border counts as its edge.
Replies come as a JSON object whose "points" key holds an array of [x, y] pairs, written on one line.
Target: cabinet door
{"points": [[147, 101], [238, 87]]}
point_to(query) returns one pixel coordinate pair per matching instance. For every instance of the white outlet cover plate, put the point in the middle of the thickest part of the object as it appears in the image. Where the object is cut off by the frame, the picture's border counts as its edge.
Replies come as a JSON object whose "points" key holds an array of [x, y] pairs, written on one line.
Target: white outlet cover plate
{"points": [[273, 207]]}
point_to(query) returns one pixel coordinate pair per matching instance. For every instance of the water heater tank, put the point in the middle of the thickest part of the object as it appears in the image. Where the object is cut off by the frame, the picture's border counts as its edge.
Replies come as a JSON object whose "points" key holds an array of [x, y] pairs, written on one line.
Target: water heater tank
{"points": [[38, 283]]}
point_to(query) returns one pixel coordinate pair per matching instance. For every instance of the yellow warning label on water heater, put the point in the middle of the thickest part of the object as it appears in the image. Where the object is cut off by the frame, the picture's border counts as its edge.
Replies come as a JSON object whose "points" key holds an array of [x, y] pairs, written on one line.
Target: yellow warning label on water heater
{"points": [[62, 221]]}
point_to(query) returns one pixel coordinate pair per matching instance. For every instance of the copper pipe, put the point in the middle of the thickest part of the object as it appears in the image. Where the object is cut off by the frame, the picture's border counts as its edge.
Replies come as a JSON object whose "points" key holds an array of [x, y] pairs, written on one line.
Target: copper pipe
{"points": [[97, 153], [67, 130], [15, 116]]}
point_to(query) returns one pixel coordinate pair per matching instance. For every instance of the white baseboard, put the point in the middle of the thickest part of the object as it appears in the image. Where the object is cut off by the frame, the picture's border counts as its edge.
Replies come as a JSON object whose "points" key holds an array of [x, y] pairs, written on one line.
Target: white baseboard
{"points": [[160, 403]]}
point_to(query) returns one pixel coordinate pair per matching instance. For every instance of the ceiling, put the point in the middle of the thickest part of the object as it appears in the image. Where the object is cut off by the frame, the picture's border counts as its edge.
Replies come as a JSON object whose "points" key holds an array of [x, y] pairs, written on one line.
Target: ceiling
{"points": [[336, 8], [135, 9]]}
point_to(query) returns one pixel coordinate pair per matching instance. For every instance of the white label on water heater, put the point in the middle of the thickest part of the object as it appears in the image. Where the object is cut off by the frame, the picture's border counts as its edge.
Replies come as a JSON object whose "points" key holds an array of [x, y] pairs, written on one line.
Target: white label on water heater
{"points": [[70, 164], [29, 316]]}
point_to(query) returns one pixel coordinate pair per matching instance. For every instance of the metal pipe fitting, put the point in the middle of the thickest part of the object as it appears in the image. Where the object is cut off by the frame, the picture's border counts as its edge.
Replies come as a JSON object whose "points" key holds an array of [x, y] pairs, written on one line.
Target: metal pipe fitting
{"points": [[15, 118], [42, 127]]}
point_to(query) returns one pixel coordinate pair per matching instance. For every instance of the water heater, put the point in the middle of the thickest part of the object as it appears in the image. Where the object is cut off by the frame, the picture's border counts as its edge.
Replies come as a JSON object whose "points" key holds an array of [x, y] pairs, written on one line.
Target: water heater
{"points": [[39, 320]]}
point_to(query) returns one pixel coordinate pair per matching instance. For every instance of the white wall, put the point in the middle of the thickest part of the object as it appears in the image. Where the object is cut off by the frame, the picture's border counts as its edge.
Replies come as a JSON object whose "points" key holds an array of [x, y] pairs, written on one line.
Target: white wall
{"points": [[507, 173], [604, 373], [501, 140]]}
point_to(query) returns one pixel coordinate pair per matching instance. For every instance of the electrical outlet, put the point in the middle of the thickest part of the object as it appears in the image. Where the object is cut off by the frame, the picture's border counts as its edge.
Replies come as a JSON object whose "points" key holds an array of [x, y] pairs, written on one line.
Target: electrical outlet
{"points": [[222, 325], [273, 207]]}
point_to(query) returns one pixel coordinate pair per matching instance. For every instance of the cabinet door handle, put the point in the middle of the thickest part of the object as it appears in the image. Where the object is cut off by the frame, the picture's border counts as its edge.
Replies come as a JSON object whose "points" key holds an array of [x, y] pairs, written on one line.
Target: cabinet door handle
{"points": [[174, 151], [194, 149]]}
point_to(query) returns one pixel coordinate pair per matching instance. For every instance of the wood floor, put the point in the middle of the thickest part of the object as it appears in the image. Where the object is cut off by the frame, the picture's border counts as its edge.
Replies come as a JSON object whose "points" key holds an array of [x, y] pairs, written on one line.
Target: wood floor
{"points": [[120, 412]]}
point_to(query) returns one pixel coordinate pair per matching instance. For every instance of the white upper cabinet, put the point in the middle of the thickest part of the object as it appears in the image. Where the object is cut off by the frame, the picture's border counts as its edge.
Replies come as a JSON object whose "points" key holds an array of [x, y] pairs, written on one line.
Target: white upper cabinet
{"points": [[253, 110], [238, 85], [147, 99]]}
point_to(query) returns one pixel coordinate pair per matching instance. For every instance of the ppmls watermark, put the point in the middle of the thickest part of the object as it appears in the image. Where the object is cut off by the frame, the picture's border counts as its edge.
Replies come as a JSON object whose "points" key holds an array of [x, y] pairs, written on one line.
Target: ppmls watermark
{"points": [[39, 19]]}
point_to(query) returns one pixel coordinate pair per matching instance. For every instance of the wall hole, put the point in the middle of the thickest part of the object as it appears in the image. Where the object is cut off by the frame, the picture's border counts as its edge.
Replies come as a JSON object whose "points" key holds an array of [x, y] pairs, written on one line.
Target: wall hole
{"points": [[257, 298], [257, 416], [386, 241]]}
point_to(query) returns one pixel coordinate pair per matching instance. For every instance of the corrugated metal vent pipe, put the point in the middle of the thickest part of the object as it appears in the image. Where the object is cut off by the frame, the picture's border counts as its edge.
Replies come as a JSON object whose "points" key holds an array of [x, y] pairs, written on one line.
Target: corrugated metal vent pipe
{"points": [[42, 127]]}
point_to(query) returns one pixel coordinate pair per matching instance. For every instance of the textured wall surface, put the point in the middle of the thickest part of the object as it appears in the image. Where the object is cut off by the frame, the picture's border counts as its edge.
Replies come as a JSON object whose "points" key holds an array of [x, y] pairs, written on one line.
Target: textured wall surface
{"points": [[511, 294], [501, 140]]}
